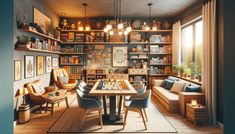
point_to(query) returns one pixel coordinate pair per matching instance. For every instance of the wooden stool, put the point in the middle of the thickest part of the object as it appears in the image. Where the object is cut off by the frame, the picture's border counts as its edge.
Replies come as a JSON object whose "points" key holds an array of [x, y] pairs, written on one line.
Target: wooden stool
{"points": [[196, 114], [24, 113]]}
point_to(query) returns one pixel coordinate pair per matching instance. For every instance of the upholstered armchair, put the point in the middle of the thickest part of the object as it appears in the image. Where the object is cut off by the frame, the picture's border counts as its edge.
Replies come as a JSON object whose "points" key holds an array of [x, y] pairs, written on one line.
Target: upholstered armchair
{"points": [[38, 98], [61, 72]]}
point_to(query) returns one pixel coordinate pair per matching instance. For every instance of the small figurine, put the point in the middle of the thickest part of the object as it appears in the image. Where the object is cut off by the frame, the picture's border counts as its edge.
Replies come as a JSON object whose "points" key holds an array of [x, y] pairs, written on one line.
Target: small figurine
{"points": [[64, 24], [73, 27]]}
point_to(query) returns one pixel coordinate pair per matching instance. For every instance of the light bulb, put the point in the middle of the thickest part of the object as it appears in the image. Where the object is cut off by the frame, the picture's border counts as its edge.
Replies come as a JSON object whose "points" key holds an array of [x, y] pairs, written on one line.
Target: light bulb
{"points": [[106, 30], [126, 32], [87, 28], [120, 26], [111, 32], [128, 29], [120, 32], [80, 28], [147, 28], [109, 26], [154, 28]]}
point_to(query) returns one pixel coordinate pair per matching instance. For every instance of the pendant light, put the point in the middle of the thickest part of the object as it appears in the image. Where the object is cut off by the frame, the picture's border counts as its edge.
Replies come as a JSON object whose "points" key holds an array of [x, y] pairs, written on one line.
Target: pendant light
{"points": [[87, 26], [147, 27]]}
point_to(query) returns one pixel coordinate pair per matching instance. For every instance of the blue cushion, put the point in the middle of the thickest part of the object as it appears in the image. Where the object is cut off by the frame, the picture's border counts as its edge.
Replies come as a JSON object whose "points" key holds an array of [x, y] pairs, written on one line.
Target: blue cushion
{"points": [[193, 88], [168, 84], [172, 78]]}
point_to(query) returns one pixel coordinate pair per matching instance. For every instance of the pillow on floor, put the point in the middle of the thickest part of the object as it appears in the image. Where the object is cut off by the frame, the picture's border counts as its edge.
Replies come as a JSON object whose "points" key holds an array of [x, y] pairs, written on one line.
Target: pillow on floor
{"points": [[38, 89], [178, 87], [63, 79], [193, 88], [168, 84]]}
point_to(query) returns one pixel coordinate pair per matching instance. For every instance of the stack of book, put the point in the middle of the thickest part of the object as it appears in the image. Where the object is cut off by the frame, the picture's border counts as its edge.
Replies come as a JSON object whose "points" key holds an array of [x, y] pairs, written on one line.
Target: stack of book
{"points": [[76, 60], [79, 37], [72, 49]]}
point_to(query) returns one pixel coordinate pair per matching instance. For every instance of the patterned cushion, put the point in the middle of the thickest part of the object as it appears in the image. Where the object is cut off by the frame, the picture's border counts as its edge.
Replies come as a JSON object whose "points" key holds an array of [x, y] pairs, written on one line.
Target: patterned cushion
{"points": [[178, 87], [38, 89]]}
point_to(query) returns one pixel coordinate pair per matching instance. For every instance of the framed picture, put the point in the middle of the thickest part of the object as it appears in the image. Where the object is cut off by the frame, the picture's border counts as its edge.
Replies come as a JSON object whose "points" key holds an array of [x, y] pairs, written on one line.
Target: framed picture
{"points": [[41, 19], [48, 64], [17, 70], [40, 65], [55, 62], [29, 66], [120, 56]]}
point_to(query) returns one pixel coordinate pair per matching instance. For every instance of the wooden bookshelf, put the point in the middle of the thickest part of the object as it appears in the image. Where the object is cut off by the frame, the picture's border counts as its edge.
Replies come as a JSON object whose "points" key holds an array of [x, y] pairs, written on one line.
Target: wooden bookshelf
{"points": [[40, 34], [72, 53], [161, 64], [160, 43], [152, 31], [38, 50]]}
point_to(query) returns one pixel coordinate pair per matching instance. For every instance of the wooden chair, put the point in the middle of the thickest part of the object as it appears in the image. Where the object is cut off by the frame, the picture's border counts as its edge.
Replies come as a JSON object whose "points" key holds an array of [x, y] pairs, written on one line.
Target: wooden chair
{"points": [[138, 104]]}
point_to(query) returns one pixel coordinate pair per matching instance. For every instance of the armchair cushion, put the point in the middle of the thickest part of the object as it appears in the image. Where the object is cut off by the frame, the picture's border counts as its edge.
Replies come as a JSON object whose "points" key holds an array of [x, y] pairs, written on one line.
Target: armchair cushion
{"points": [[63, 79], [38, 88]]}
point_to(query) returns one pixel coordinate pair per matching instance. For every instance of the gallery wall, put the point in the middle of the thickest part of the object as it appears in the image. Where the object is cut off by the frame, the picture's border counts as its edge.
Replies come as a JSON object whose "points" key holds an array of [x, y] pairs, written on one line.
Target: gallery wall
{"points": [[24, 8]]}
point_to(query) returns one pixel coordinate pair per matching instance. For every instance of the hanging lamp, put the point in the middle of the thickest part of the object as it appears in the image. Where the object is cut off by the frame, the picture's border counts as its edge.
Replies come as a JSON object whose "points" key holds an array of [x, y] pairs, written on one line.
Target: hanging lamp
{"points": [[146, 25]]}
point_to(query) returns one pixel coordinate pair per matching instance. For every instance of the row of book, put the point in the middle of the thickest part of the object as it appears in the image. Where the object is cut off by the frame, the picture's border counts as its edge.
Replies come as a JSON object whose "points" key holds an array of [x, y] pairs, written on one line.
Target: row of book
{"points": [[71, 60], [72, 49], [160, 38], [72, 37], [74, 69]]}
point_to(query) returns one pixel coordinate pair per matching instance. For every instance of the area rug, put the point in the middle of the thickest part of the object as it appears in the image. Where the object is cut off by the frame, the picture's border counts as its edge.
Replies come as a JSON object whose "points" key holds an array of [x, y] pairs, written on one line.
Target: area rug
{"points": [[70, 122]]}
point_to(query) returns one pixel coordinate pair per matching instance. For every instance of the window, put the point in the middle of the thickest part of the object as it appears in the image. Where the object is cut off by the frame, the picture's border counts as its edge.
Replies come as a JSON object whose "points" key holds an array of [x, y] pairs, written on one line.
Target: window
{"points": [[191, 47]]}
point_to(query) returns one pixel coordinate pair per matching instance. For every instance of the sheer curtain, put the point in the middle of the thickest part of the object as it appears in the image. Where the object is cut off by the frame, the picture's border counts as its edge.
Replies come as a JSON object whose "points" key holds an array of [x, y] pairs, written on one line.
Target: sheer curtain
{"points": [[209, 58], [176, 41]]}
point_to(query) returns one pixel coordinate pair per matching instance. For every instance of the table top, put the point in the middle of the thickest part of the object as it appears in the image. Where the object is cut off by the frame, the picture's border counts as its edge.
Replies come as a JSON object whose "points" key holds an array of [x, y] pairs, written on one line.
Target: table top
{"points": [[199, 106], [122, 87]]}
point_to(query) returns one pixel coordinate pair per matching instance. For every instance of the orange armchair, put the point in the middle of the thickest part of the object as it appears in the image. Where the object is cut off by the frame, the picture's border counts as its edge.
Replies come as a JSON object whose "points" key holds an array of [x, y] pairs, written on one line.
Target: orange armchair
{"points": [[62, 72], [38, 99]]}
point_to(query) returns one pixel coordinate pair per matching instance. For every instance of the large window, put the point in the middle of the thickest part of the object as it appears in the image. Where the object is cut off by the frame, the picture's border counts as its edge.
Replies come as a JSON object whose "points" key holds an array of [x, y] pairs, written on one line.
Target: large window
{"points": [[191, 55]]}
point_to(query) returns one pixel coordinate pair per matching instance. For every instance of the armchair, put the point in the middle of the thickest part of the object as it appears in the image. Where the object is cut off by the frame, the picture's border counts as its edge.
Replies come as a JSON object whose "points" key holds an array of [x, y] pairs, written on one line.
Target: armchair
{"points": [[61, 72]]}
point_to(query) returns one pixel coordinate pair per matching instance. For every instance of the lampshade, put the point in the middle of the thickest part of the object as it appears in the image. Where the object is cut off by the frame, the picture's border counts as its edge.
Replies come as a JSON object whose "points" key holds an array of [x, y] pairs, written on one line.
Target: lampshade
{"points": [[106, 30], [111, 32], [80, 28]]}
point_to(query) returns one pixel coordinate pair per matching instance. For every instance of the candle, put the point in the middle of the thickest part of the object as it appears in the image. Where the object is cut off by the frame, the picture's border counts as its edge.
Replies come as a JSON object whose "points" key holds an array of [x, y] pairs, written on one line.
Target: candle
{"points": [[194, 102]]}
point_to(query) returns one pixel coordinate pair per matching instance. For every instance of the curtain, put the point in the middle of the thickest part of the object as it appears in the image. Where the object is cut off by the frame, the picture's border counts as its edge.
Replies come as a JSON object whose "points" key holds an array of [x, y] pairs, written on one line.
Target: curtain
{"points": [[176, 41], [209, 58]]}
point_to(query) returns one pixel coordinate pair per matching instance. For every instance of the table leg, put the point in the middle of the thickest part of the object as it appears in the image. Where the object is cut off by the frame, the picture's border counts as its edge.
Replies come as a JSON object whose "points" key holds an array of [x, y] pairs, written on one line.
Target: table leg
{"points": [[112, 114], [119, 107], [104, 105], [66, 101]]}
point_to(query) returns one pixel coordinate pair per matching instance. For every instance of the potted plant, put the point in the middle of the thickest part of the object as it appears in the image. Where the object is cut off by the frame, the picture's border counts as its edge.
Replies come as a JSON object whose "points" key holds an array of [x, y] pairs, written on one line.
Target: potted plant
{"points": [[182, 69], [193, 70], [176, 69], [187, 72]]}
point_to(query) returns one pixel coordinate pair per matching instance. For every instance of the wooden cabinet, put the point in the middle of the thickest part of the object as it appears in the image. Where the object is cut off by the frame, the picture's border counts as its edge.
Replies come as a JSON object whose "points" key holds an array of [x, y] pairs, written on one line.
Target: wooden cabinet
{"points": [[196, 114], [186, 97]]}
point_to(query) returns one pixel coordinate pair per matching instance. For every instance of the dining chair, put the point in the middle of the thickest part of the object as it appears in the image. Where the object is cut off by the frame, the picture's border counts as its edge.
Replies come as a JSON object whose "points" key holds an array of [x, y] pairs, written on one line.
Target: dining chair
{"points": [[88, 103], [139, 89], [138, 104]]}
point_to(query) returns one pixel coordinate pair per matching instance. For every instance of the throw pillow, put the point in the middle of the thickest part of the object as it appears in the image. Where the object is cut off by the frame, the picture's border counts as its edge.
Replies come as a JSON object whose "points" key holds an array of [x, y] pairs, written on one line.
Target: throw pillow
{"points": [[63, 79], [172, 78], [178, 87], [168, 84], [193, 88], [38, 89]]}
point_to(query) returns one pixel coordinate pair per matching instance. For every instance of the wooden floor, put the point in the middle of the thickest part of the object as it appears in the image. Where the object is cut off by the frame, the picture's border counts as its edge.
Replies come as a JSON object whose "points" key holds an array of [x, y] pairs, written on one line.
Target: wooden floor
{"points": [[40, 123]]}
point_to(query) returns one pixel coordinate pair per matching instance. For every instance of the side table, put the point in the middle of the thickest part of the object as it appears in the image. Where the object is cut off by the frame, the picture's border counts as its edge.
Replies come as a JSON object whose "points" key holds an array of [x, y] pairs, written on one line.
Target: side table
{"points": [[196, 114]]}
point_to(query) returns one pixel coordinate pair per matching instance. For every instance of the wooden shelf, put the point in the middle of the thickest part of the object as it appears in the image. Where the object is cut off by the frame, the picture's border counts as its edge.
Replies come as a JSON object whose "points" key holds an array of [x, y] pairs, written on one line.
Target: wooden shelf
{"points": [[138, 43], [72, 43], [161, 64], [160, 43], [94, 43], [137, 74], [62, 53], [158, 74], [40, 34], [38, 50], [137, 53], [160, 53], [139, 58], [150, 31], [72, 64], [95, 30]]}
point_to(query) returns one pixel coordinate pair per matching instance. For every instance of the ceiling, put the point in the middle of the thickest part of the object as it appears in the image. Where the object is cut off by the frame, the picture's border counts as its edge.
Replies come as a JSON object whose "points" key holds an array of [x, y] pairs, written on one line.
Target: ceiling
{"points": [[133, 8]]}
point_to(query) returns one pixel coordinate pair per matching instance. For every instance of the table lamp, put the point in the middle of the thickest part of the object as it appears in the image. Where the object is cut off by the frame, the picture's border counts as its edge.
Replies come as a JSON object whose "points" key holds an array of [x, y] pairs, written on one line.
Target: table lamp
{"points": [[194, 102]]}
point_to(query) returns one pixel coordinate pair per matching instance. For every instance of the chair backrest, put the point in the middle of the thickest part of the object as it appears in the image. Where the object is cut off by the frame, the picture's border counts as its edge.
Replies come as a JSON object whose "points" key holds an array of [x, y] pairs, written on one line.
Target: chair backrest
{"points": [[79, 98], [59, 72], [143, 100], [30, 88], [141, 90]]}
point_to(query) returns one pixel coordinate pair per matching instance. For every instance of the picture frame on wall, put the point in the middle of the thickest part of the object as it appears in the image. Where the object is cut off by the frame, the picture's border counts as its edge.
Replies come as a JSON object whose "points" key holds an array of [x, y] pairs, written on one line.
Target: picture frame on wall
{"points": [[42, 20], [40, 65], [29, 66], [120, 56], [48, 64], [55, 62], [17, 70]]}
